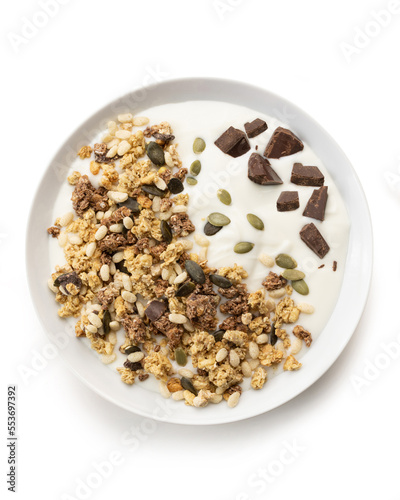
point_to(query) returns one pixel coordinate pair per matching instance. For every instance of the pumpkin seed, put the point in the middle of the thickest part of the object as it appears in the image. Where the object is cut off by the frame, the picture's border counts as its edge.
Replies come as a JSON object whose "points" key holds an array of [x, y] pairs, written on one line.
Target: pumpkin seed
{"points": [[180, 356], [273, 339], [185, 289], [132, 348], [285, 261], [243, 247], [220, 281], [218, 335], [156, 154], [301, 287], [217, 219], [188, 386], [210, 230], [255, 221], [195, 271], [293, 274], [199, 145], [166, 231], [106, 322], [224, 197], [154, 190], [132, 204], [191, 181], [175, 186], [195, 167]]}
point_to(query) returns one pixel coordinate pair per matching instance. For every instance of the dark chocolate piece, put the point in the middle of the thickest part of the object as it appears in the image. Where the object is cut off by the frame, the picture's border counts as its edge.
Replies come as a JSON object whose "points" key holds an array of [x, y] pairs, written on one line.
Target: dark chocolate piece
{"points": [[233, 142], [303, 175], [334, 266], [155, 310], [283, 143], [314, 240], [255, 128], [261, 172], [316, 205], [288, 201]]}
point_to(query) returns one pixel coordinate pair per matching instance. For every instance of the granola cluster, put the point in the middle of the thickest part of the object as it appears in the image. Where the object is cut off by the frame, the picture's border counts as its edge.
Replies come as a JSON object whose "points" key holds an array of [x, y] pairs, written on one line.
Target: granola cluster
{"points": [[126, 252]]}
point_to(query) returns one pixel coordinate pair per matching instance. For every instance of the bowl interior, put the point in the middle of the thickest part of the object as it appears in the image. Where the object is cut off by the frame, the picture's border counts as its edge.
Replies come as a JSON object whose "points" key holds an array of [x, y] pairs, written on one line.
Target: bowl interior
{"points": [[348, 309]]}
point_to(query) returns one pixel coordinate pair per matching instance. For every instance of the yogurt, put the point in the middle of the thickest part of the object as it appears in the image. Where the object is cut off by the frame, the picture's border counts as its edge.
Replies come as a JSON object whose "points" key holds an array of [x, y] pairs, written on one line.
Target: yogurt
{"points": [[208, 120]]}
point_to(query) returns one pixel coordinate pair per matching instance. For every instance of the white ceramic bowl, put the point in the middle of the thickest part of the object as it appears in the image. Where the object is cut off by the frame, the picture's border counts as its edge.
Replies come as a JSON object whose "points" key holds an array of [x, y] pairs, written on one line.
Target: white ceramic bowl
{"points": [[331, 341]]}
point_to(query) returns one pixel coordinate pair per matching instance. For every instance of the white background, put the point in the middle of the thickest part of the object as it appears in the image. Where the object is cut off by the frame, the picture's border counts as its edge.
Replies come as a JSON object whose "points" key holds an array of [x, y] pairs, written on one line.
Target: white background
{"points": [[90, 53]]}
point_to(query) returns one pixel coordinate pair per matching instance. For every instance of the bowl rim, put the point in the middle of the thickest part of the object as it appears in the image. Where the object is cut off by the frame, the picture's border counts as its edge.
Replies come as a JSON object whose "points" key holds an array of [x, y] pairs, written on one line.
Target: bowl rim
{"points": [[366, 222]]}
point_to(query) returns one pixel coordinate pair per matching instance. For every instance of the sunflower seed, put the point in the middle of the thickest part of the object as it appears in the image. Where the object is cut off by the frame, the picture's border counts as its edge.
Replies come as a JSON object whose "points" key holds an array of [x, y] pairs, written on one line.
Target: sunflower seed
{"points": [[106, 322], [180, 356], [195, 167], [234, 359], [220, 281], [221, 355], [233, 399], [164, 391], [285, 261], [195, 271], [217, 219], [175, 186], [154, 190], [243, 247], [185, 372], [293, 274], [273, 337], [218, 335], [199, 145], [191, 181], [301, 287], [156, 153], [266, 260], [255, 221], [135, 357], [188, 386], [131, 349], [306, 308], [254, 350], [185, 289], [166, 232], [210, 230], [224, 197]]}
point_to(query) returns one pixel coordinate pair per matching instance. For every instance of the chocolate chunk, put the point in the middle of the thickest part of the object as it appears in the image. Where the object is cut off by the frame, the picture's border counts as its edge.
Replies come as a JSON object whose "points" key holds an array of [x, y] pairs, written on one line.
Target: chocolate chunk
{"points": [[255, 128], [261, 172], [334, 266], [314, 240], [233, 142], [283, 143], [155, 310], [316, 205], [133, 366], [288, 201], [303, 175]]}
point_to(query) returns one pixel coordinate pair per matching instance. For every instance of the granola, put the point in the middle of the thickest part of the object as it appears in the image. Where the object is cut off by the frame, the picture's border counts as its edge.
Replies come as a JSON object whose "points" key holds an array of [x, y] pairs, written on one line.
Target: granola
{"points": [[120, 260]]}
